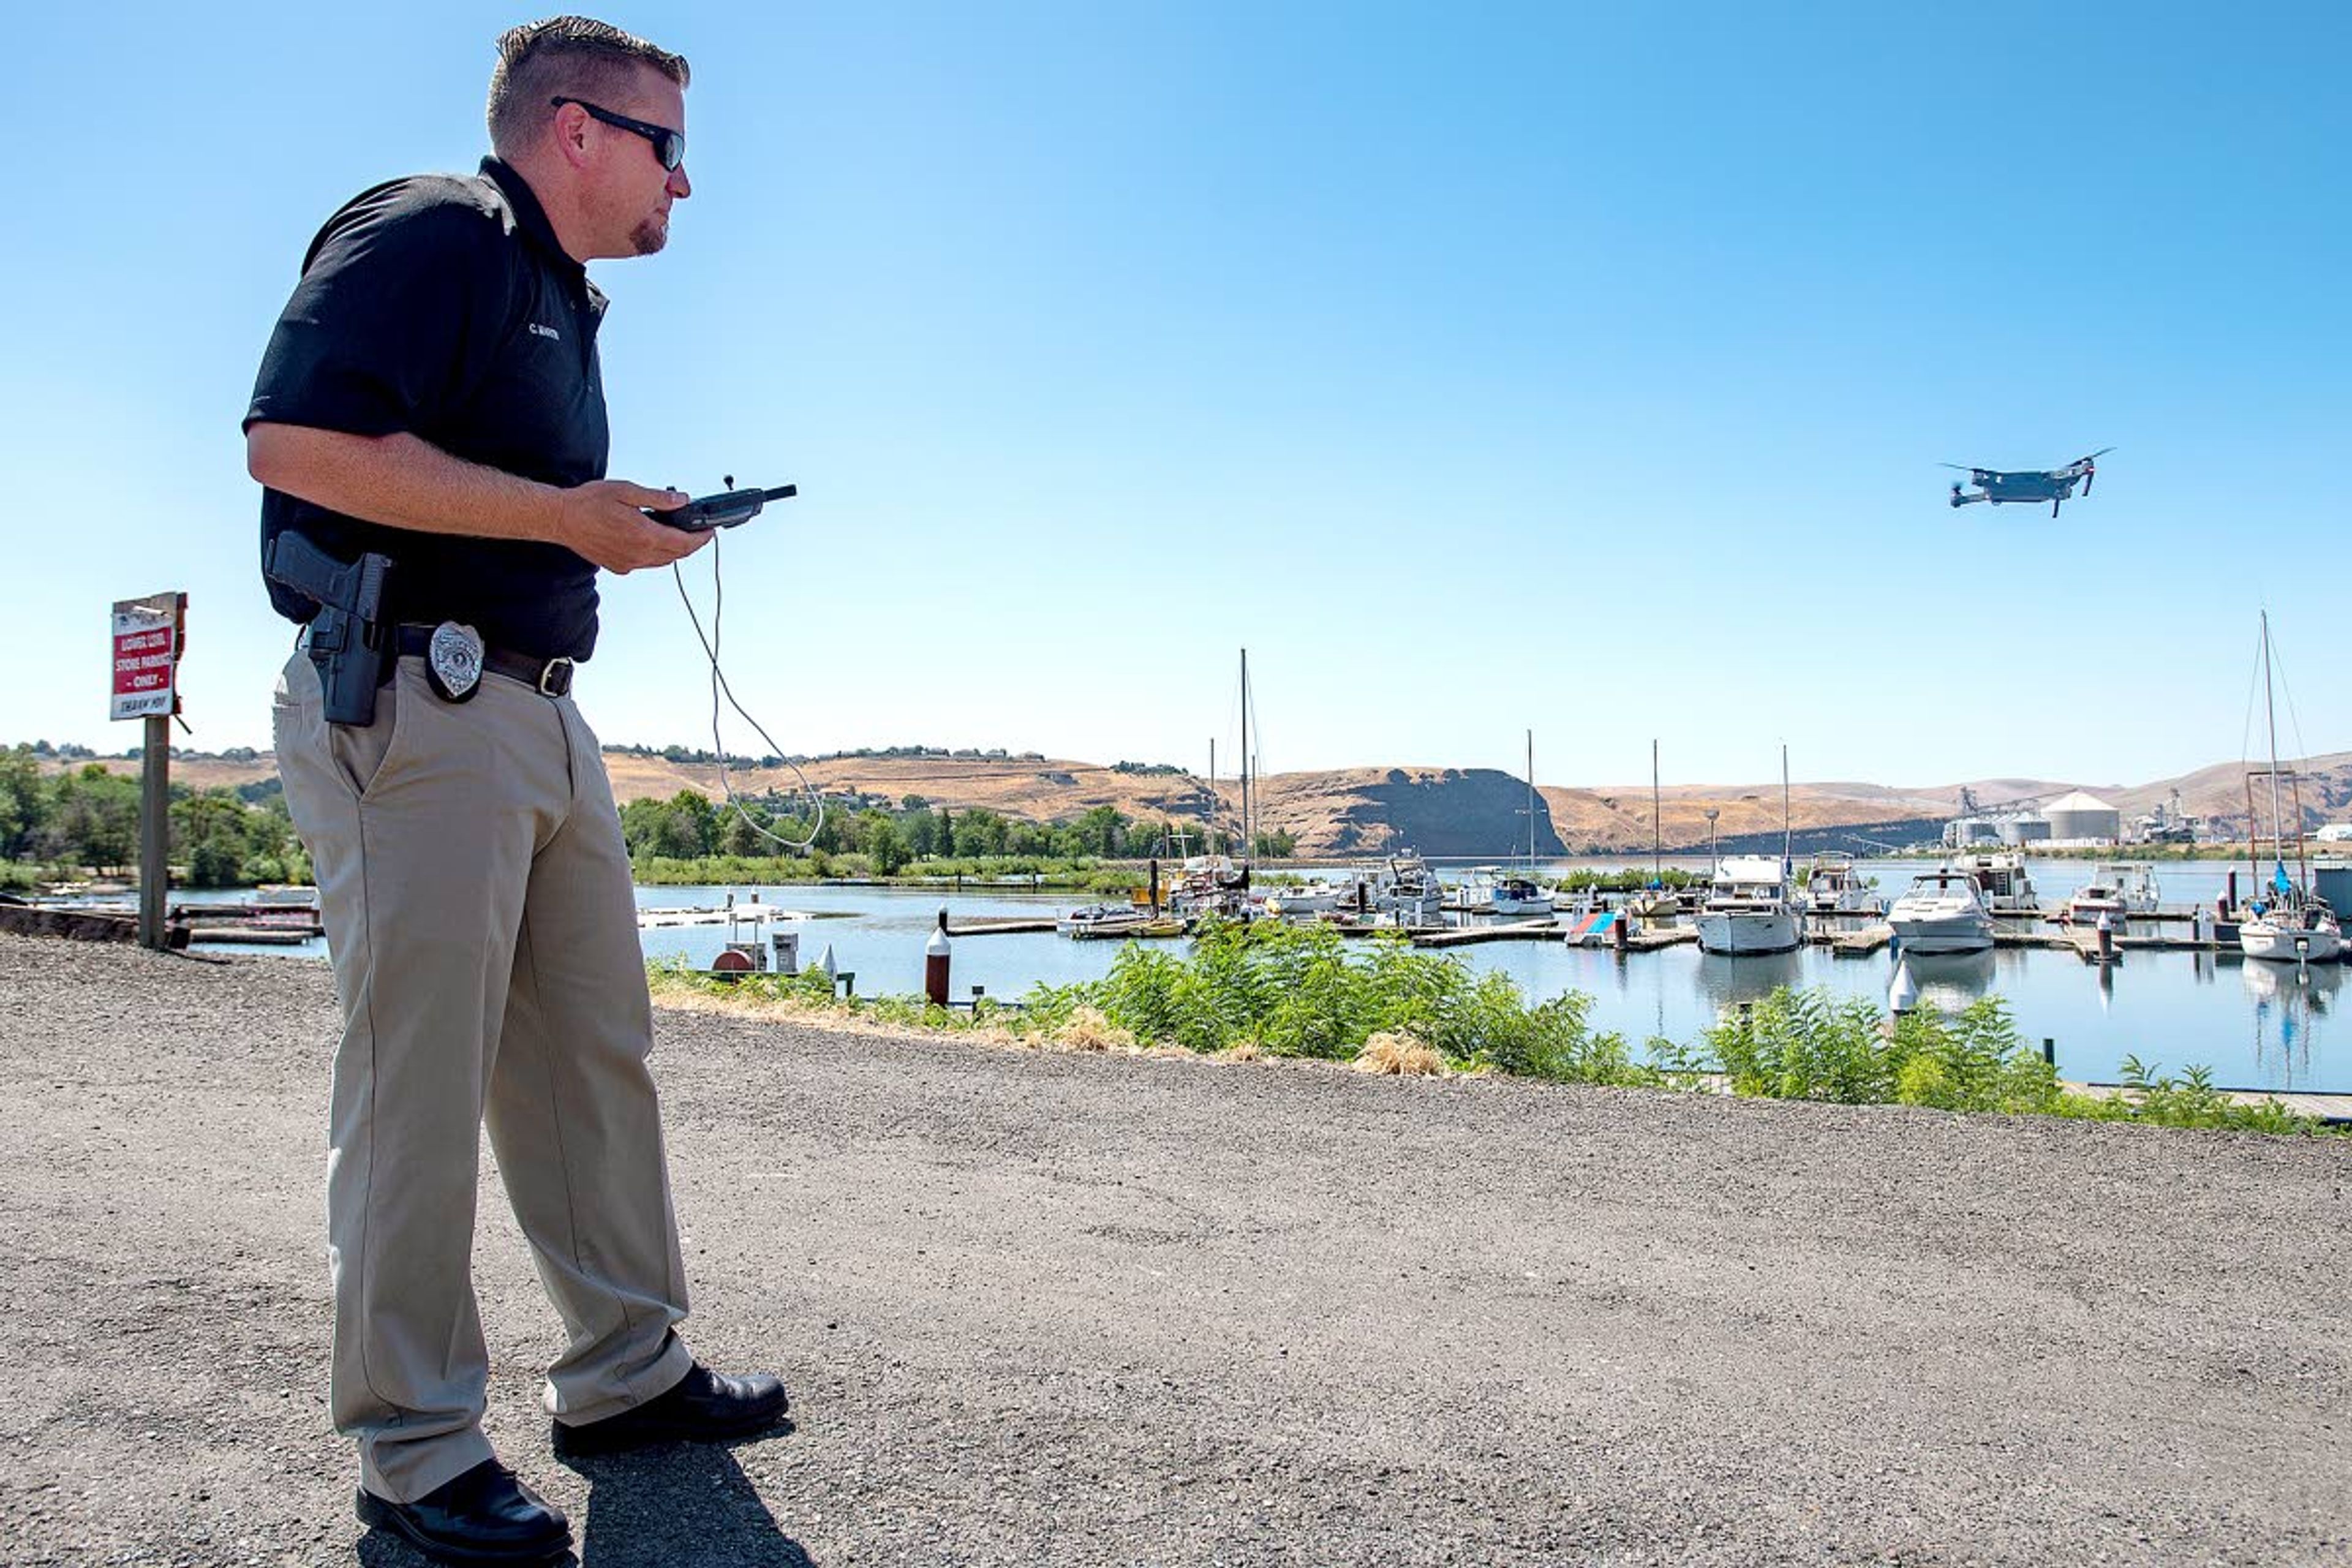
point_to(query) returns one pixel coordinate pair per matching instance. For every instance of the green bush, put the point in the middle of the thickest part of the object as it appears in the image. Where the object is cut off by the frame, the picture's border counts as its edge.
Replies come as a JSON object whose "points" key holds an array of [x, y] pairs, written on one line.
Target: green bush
{"points": [[1306, 992], [1811, 1045]]}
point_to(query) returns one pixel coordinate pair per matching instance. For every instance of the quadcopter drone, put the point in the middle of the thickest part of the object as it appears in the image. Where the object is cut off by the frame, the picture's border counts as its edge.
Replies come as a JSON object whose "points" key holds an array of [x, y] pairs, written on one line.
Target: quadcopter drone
{"points": [[2053, 484]]}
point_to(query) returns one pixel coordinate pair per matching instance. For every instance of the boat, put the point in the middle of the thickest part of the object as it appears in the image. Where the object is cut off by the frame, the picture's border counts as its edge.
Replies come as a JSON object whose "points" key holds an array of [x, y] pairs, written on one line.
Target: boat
{"points": [[1408, 891], [1942, 912], [1103, 920], [2121, 891], [1311, 900], [1522, 895], [2289, 923], [1833, 886], [1750, 908], [2008, 890]]}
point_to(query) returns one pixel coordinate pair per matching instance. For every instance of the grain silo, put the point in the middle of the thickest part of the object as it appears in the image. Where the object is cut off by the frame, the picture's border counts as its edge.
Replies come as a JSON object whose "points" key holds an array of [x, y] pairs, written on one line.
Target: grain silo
{"points": [[2081, 818]]}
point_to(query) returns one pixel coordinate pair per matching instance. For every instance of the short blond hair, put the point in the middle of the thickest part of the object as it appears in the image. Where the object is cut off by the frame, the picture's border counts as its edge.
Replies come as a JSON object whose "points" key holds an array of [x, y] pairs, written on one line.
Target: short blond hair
{"points": [[565, 57]]}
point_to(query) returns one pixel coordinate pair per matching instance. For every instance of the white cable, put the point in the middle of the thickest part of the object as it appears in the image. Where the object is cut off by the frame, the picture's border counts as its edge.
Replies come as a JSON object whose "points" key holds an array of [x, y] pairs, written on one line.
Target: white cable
{"points": [[718, 687]]}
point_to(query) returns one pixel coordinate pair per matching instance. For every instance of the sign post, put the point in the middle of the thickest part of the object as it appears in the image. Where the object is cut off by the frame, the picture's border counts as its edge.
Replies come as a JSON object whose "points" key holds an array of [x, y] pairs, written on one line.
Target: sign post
{"points": [[149, 634]]}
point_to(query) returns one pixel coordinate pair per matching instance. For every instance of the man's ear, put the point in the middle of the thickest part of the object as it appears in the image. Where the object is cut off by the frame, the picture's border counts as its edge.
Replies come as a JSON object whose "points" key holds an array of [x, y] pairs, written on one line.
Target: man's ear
{"points": [[571, 134]]}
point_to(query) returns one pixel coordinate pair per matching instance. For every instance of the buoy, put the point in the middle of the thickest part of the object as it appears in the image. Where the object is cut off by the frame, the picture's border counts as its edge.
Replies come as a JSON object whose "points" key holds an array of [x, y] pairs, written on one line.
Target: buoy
{"points": [[1903, 993], [935, 964]]}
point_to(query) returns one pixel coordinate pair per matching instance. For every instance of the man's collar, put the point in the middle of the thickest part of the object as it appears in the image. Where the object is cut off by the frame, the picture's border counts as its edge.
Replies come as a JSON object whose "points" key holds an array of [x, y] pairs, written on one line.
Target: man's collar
{"points": [[529, 215]]}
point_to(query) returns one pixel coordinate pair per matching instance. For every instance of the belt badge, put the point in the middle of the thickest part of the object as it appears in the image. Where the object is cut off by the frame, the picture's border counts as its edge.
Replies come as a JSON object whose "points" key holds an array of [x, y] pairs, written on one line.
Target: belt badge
{"points": [[453, 662]]}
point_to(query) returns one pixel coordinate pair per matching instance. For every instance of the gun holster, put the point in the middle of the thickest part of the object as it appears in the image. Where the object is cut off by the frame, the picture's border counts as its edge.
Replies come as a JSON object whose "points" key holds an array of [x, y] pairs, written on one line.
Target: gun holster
{"points": [[350, 639], [349, 655]]}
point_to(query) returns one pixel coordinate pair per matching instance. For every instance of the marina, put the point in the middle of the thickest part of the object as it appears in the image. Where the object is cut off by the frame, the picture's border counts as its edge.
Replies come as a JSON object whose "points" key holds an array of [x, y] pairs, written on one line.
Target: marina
{"points": [[2170, 999]]}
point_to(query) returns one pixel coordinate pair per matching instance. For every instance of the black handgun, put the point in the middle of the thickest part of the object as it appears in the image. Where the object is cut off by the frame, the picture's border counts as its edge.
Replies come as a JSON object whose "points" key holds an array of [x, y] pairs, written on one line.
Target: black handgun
{"points": [[350, 639]]}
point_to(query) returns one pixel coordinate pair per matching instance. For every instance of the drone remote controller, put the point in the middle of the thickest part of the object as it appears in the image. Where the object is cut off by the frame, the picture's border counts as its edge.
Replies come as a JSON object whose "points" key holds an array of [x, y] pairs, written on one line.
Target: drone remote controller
{"points": [[725, 510]]}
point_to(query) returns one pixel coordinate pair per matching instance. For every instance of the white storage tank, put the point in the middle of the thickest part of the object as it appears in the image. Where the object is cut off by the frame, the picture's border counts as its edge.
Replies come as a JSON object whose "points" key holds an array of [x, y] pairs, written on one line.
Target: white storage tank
{"points": [[2078, 817]]}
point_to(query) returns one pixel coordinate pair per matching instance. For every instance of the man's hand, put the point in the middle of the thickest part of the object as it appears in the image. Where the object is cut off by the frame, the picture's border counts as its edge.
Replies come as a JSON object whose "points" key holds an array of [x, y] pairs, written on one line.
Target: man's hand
{"points": [[606, 522]]}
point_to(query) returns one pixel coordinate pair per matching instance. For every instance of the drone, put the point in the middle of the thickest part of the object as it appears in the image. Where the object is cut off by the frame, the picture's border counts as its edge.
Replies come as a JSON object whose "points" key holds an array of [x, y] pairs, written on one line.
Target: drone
{"points": [[2053, 484]]}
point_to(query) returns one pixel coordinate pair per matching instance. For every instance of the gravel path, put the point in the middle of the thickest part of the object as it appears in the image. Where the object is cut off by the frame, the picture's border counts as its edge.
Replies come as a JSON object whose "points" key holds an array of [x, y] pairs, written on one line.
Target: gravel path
{"points": [[1042, 1309]]}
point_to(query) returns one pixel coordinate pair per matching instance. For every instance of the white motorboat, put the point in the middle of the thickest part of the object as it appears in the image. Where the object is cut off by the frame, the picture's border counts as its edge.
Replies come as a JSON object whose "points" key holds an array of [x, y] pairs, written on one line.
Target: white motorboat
{"points": [[1309, 901], [1943, 911], [1833, 886], [2007, 890], [1750, 908], [1408, 891], [1103, 920], [2123, 891]]}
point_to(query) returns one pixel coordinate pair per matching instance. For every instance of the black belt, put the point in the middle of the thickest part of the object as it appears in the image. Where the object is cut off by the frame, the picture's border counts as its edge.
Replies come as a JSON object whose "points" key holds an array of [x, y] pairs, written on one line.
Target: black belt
{"points": [[548, 677]]}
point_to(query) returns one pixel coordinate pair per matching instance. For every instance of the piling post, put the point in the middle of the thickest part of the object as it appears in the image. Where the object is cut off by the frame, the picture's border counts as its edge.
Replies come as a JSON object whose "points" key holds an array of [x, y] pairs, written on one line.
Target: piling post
{"points": [[1617, 934], [2107, 941], [1155, 887], [2050, 1050], [155, 833], [935, 965]]}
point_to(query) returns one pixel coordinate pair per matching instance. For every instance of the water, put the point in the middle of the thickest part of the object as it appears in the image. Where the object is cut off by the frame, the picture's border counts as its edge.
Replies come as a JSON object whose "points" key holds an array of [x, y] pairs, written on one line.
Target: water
{"points": [[2257, 1026]]}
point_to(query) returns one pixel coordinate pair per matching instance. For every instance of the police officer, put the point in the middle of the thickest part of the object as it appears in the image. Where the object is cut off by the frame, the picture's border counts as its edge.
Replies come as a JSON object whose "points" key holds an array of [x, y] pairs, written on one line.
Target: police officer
{"points": [[432, 393]]}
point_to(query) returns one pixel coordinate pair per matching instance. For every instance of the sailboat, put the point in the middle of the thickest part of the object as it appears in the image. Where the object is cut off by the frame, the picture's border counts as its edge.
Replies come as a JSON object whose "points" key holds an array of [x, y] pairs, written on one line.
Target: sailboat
{"points": [[2289, 923], [1523, 895], [1750, 906], [1655, 903]]}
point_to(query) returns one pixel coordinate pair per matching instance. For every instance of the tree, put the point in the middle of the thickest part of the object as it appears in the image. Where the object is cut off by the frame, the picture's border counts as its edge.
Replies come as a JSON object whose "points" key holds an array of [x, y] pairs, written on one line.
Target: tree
{"points": [[208, 836], [880, 839], [21, 807]]}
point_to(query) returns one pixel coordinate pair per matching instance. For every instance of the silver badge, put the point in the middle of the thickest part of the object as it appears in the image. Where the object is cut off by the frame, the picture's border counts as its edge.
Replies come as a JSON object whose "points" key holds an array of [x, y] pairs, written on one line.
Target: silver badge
{"points": [[453, 660]]}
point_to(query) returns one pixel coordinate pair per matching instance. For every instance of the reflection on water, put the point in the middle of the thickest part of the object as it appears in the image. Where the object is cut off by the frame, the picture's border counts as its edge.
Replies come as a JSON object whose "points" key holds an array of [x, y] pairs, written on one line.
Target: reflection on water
{"points": [[1950, 981], [1726, 981], [2290, 1002]]}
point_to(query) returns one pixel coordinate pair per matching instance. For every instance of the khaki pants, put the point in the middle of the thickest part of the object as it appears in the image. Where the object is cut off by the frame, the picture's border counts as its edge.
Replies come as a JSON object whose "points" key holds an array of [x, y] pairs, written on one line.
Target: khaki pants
{"points": [[476, 896]]}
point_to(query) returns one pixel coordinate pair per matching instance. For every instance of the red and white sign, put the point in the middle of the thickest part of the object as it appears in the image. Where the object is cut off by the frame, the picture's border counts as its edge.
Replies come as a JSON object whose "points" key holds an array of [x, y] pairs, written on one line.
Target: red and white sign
{"points": [[147, 636]]}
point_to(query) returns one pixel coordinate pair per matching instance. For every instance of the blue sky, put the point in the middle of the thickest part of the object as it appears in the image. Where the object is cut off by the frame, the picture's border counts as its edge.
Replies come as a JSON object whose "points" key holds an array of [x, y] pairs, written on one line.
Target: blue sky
{"points": [[1479, 368]]}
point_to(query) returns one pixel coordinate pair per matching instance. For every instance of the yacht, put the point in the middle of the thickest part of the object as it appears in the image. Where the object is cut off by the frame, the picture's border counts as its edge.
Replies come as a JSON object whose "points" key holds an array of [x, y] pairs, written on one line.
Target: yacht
{"points": [[1518, 896], [1833, 886], [1750, 908], [2125, 890], [1408, 890], [1943, 911], [2008, 890]]}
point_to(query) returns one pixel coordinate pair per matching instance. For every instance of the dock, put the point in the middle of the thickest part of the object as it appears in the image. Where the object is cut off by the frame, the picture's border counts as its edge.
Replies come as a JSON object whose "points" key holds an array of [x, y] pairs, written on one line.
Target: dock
{"points": [[1859, 943], [1541, 928], [1004, 928], [2330, 1108]]}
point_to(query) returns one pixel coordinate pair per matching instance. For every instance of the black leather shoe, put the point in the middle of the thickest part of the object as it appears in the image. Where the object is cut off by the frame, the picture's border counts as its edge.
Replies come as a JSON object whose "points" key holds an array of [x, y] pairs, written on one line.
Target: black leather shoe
{"points": [[704, 1407], [484, 1516]]}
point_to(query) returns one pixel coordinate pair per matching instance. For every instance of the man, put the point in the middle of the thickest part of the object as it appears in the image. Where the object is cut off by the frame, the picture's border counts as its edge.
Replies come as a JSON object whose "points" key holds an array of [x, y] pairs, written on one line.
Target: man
{"points": [[432, 393]]}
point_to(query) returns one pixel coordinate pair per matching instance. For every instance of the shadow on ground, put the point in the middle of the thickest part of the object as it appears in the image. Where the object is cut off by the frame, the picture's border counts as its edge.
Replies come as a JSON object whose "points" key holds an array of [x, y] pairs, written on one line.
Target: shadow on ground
{"points": [[680, 1506]]}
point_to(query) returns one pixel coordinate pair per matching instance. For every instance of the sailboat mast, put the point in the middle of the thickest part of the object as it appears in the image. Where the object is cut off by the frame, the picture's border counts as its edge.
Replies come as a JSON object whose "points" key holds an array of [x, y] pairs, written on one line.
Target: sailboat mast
{"points": [[1531, 802], [1248, 839], [1657, 822], [2270, 712], [1786, 869]]}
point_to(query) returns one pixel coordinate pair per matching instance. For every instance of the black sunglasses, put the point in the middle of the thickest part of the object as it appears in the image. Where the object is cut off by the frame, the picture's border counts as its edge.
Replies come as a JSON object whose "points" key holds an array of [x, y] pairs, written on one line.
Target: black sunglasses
{"points": [[669, 146]]}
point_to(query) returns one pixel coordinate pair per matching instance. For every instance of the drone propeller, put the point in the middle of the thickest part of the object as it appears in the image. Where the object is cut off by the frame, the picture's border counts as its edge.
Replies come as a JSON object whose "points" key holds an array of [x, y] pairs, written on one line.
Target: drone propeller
{"points": [[2091, 467], [1964, 467]]}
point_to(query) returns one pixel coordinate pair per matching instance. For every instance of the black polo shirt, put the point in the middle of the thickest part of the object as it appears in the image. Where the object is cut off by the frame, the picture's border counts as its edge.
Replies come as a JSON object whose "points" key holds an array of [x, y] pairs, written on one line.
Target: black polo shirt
{"points": [[444, 306]]}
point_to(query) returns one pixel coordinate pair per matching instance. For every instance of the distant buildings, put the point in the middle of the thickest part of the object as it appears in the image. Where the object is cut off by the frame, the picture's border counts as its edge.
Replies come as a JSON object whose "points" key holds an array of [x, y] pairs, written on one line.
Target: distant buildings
{"points": [[2074, 818]]}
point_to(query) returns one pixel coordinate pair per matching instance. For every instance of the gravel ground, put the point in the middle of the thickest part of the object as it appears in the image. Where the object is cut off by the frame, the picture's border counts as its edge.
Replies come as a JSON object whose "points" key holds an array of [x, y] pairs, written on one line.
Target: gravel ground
{"points": [[1050, 1308]]}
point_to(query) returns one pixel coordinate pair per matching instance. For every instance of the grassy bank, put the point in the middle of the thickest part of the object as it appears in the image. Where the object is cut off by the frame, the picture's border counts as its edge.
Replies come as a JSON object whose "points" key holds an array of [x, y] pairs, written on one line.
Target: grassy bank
{"points": [[1382, 1007]]}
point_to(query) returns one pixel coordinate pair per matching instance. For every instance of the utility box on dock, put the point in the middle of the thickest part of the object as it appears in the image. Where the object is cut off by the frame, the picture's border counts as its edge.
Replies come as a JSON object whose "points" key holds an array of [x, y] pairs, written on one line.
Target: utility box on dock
{"points": [[786, 947], [2332, 880]]}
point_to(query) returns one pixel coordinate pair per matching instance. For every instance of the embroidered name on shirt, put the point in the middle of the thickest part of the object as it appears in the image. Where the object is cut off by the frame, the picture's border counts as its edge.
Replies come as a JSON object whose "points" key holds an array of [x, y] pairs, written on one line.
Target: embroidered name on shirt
{"points": [[546, 332]]}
